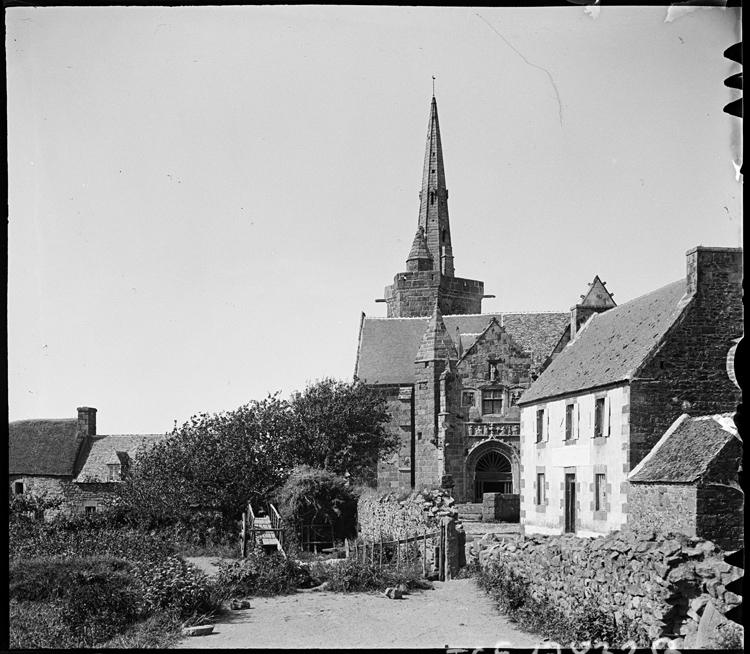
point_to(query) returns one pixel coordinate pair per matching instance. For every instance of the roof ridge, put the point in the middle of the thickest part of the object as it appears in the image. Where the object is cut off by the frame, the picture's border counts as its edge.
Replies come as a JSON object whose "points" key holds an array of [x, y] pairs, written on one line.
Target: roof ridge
{"points": [[13, 422]]}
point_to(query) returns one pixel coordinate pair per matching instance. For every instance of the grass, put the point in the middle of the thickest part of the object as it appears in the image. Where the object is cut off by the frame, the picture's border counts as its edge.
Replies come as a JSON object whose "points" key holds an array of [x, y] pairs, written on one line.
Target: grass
{"points": [[351, 576]]}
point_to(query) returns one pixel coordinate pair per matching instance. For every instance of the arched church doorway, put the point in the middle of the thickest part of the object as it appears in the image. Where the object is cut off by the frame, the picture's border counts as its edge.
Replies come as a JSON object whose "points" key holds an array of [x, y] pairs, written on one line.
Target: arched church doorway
{"points": [[492, 474]]}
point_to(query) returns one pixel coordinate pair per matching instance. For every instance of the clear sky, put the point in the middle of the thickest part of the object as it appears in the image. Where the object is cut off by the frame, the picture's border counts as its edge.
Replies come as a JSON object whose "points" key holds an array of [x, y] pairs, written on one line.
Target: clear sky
{"points": [[203, 200]]}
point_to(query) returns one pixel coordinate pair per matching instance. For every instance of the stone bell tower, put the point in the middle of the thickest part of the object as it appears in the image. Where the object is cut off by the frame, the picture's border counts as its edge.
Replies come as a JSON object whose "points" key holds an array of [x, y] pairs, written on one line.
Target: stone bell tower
{"points": [[429, 275]]}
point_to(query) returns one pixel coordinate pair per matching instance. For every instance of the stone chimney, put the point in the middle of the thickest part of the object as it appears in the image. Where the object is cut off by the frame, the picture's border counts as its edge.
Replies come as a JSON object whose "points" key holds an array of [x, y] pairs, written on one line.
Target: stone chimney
{"points": [[87, 420], [711, 271]]}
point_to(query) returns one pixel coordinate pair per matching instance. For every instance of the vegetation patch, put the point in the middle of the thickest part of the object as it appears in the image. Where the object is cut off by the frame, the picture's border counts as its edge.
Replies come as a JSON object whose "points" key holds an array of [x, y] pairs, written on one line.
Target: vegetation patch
{"points": [[262, 575], [350, 576]]}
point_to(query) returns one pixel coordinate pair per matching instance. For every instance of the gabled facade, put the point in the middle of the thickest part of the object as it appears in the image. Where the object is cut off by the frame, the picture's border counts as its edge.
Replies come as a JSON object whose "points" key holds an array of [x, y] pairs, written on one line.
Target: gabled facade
{"points": [[66, 459], [614, 389], [451, 375]]}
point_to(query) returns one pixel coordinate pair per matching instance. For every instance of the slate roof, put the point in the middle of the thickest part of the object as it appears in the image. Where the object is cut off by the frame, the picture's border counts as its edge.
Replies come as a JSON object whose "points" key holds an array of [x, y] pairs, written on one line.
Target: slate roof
{"points": [[612, 345], [43, 447], [686, 450], [118, 449], [388, 346]]}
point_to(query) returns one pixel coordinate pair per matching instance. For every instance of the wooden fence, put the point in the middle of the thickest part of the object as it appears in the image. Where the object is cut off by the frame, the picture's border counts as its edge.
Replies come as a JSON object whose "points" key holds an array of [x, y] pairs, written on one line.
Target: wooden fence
{"points": [[403, 551]]}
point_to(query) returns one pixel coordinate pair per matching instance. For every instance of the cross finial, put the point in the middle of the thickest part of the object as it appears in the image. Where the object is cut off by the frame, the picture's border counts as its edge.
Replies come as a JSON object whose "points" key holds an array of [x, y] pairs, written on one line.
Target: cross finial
{"points": [[433, 86]]}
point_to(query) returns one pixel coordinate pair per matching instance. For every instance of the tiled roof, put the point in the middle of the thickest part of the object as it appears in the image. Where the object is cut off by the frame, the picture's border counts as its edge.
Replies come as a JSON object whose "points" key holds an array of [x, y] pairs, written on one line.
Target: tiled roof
{"points": [[612, 345], [388, 346], [117, 449], [43, 447], [686, 450]]}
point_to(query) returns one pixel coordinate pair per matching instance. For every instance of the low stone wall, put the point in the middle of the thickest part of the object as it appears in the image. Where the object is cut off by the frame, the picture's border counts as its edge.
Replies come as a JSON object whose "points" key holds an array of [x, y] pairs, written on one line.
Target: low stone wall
{"points": [[390, 515], [501, 507], [662, 582]]}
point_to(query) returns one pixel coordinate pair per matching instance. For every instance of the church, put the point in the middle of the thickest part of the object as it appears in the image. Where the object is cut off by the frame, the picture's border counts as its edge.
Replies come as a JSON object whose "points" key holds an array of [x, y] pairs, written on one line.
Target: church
{"points": [[452, 375]]}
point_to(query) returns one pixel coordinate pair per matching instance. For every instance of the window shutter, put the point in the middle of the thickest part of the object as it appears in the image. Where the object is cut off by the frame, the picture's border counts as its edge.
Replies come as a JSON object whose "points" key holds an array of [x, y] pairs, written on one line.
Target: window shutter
{"points": [[607, 415], [578, 420], [546, 428]]}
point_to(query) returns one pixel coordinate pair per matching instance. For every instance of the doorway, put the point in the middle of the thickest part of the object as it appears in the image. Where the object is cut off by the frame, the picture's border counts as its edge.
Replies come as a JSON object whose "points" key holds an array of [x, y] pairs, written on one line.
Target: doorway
{"points": [[492, 474], [570, 503]]}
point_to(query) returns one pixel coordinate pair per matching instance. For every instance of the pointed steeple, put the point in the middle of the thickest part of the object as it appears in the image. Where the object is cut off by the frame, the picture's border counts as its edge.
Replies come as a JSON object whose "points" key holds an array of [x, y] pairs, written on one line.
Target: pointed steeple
{"points": [[436, 343], [433, 206]]}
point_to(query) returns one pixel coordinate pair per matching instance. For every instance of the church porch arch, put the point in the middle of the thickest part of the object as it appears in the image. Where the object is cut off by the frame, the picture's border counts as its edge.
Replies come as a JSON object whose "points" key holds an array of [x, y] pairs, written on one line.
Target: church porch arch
{"points": [[491, 467]]}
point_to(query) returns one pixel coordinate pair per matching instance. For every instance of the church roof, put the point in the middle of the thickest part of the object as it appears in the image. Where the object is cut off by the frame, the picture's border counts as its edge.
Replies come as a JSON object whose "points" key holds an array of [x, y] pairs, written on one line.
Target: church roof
{"points": [[117, 449], [44, 447], [686, 451], [612, 345], [388, 346]]}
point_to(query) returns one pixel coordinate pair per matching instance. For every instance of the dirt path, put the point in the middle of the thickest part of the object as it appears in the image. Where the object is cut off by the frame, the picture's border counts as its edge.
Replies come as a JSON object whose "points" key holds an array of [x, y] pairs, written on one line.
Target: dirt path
{"points": [[455, 614]]}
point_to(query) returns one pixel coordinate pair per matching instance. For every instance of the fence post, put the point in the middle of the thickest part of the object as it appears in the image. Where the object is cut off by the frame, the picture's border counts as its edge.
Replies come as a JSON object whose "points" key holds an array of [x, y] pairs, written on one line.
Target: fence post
{"points": [[398, 553], [424, 552], [243, 538], [346, 547], [380, 547]]}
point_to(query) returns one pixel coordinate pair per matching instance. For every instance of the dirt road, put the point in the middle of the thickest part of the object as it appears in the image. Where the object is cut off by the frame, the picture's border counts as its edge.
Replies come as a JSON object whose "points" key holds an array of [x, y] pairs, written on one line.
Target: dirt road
{"points": [[455, 614]]}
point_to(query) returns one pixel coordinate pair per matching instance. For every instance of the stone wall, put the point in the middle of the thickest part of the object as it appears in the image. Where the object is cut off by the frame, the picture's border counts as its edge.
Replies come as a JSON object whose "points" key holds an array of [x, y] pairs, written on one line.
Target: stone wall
{"points": [[75, 497], [502, 507], [384, 516], [721, 515], [395, 472], [663, 507], [663, 583]]}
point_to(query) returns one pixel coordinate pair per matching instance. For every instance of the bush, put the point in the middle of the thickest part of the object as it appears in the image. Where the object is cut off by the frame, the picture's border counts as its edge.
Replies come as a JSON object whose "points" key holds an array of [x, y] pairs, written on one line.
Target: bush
{"points": [[175, 585], [351, 576], [49, 579], [36, 625], [311, 496], [100, 605], [262, 575]]}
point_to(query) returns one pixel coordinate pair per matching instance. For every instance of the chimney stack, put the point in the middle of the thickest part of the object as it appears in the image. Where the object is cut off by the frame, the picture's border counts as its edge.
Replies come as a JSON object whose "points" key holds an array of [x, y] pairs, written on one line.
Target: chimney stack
{"points": [[87, 420], [712, 270]]}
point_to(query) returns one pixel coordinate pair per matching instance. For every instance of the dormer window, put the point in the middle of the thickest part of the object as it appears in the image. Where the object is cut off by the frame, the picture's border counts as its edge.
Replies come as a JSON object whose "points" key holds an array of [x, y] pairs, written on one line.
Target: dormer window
{"points": [[114, 472]]}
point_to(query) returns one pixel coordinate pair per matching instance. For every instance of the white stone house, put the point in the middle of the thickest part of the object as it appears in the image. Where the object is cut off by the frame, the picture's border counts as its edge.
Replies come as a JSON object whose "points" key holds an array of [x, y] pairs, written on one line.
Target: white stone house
{"points": [[625, 376]]}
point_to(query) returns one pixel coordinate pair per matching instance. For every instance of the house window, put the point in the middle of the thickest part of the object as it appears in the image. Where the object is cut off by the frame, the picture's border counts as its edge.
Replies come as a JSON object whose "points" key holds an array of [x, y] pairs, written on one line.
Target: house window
{"points": [[467, 398], [88, 510], [599, 418], [569, 422], [540, 493], [492, 401], [539, 425], [18, 488], [114, 472], [599, 492]]}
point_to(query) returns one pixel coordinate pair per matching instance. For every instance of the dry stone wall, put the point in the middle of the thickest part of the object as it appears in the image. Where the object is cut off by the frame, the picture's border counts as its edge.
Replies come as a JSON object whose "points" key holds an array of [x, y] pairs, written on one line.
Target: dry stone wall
{"points": [[663, 582], [391, 515]]}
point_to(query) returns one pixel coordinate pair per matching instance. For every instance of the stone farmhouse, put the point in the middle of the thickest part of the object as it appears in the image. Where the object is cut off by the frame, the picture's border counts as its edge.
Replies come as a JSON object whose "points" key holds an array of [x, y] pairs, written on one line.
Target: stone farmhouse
{"points": [[67, 459], [452, 376], [608, 397]]}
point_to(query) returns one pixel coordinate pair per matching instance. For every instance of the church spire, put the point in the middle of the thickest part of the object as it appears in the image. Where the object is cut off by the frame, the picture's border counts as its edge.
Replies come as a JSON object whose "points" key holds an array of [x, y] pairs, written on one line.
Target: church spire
{"points": [[433, 206]]}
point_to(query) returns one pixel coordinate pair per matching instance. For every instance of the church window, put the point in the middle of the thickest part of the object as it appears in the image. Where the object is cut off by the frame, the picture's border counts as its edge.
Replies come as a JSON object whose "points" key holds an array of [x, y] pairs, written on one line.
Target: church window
{"points": [[492, 401], [443, 236], [467, 398]]}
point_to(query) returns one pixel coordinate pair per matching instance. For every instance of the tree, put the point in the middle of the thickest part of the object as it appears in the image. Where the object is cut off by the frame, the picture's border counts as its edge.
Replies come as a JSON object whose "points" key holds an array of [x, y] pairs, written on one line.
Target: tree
{"points": [[220, 462], [216, 462], [341, 427]]}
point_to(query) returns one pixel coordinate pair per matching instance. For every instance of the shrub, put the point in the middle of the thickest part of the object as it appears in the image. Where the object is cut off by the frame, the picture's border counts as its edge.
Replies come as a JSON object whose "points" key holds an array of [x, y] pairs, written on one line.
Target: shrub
{"points": [[49, 578], [313, 496], [100, 605], [355, 576], [262, 575], [175, 585]]}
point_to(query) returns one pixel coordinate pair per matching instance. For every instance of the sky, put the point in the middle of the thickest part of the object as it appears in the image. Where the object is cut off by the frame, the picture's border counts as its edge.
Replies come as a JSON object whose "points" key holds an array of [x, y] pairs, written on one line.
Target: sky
{"points": [[204, 200]]}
